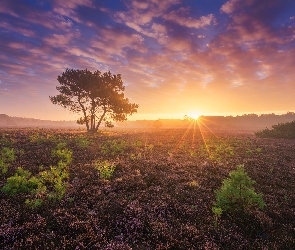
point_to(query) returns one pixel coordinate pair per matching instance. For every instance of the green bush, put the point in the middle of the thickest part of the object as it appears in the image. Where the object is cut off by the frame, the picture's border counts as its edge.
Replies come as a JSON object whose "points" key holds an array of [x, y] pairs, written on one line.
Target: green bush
{"points": [[33, 203], [7, 155], [56, 177], [64, 155], [50, 184], [22, 182], [113, 147], [82, 142], [237, 193], [281, 130], [105, 168]]}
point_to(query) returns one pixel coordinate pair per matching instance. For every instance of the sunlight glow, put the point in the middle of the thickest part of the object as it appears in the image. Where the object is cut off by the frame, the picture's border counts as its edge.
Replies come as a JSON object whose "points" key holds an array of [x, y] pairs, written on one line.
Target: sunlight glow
{"points": [[194, 115]]}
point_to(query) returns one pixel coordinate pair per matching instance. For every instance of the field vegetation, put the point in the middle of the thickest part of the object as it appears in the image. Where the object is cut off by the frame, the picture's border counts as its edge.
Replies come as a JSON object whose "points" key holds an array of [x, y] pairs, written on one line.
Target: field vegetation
{"points": [[153, 189], [281, 130]]}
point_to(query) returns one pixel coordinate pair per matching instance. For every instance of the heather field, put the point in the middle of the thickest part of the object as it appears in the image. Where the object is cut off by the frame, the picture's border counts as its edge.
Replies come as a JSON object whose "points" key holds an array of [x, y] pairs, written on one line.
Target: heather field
{"points": [[145, 189]]}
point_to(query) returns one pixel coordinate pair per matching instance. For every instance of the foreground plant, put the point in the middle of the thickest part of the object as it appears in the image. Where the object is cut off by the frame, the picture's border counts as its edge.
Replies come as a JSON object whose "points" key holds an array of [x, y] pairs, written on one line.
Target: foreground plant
{"points": [[113, 147], [7, 156], [56, 177], [48, 184], [237, 193], [105, 168], [82, 142], [23, 182]]}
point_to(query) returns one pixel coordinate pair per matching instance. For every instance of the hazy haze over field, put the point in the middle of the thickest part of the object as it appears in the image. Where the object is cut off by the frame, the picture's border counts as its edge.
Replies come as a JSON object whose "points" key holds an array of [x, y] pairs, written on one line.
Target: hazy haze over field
{"points": [[176, 57]]}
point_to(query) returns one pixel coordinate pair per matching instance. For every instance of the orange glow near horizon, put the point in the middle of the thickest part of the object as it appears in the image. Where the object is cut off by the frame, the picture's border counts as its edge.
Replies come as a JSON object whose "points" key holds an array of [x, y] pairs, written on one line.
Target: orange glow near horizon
{"points": [[194, 115], [197, 124]]}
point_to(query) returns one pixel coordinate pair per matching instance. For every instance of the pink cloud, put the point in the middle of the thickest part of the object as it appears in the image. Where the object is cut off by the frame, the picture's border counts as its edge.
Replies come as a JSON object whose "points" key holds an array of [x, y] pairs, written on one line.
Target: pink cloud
{"points": [[229, 6], [24, 31], [183, 18], [6, 9], [60, 40], [142, 13], [117, 41], [72, 4]]}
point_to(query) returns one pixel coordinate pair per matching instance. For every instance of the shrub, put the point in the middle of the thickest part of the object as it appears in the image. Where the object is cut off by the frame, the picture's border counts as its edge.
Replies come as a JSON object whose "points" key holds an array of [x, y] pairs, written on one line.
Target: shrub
{"points": [[237, 193], [82, 142], [281, 130], [105, 168], [64, 155], [22, 182], [56, 177], [113, 147], [7, 155], [34, 203], [50, 184]]}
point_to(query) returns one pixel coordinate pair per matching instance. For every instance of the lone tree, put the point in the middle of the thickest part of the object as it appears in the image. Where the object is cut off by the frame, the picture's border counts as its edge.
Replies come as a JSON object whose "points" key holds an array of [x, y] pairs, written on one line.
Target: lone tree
{"points": [[99, 97]]}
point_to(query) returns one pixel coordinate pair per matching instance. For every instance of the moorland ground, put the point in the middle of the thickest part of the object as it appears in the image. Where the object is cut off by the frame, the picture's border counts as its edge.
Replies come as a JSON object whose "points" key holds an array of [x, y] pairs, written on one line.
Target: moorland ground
{"points": [[159, 195]]}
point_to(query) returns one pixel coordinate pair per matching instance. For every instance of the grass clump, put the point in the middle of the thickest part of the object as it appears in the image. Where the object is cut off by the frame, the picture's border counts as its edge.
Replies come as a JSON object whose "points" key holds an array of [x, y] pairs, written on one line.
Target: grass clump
{"points": [[281, 130], [237, 193]]}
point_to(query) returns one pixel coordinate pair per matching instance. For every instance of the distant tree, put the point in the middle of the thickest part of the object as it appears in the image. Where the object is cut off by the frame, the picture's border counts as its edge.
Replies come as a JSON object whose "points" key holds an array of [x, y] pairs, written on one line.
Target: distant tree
{"points": [[99, 97]]}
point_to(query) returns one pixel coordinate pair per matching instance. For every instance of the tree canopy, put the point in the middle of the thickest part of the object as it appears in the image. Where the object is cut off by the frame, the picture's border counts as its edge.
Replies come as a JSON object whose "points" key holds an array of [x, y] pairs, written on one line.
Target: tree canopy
{"points": [[99, 97]]}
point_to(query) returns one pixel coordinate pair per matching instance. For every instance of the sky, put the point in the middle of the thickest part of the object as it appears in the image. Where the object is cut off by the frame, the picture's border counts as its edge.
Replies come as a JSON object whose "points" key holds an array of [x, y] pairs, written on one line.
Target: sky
{"points": [[176, 57]]}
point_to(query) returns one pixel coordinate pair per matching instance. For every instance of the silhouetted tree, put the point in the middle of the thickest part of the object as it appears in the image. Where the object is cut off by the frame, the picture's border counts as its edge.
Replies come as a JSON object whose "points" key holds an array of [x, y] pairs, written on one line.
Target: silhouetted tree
{"points": [[99, 97]]}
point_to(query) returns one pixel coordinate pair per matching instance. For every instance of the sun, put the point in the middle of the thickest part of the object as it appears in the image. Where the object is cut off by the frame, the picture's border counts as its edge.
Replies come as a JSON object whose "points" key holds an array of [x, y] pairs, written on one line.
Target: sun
{"points": [[194, 115]]}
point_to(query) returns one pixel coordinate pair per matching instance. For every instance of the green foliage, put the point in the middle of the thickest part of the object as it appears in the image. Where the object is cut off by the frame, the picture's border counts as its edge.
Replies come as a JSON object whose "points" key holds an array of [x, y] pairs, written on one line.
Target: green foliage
{"points": [[113, 147], [55, 180], [149, 147], [61, 145], [105, 168], [217, 211], [216, 150], [37, 137], [249, 152], [7, 156], [237, 193], [34, 203], [64, 154], [22, 182], [193, 153], [50, 184], [6, 141], [56, 177], [82, 142], [135, 157], [137, 144], [281, 130]]}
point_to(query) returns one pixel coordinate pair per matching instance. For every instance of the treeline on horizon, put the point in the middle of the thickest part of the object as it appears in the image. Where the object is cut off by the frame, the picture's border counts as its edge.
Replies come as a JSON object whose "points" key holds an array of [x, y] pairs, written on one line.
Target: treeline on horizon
{"points": [[251, 122], [9, 121]]}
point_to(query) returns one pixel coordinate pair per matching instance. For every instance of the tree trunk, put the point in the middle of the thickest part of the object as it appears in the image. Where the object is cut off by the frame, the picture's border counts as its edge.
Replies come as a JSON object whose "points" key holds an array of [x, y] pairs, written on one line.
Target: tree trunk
{"points": [[100, 120]]}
